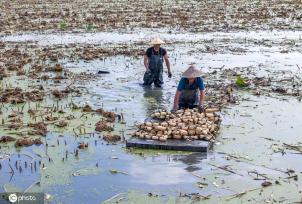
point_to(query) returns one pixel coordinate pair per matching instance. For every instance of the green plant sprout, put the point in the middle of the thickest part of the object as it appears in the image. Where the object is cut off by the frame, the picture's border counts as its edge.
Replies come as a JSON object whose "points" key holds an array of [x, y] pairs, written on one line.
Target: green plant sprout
{"points": [[62, 25], [89, 27], [241, 82]]}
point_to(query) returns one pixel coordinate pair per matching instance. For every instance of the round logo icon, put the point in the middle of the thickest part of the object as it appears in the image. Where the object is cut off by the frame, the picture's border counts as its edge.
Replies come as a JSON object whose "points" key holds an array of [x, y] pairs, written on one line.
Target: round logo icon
{"points": [[12, 198]]}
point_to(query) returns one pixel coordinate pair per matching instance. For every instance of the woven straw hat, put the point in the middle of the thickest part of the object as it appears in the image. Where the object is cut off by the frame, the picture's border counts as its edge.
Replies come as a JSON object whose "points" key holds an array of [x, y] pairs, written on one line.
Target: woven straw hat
{"points": [[157, 41], [192, 72]]}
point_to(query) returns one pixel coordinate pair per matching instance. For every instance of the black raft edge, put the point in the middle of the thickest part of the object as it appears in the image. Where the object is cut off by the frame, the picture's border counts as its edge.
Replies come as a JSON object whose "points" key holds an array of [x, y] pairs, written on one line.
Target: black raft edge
{"points": [[176, 145]]}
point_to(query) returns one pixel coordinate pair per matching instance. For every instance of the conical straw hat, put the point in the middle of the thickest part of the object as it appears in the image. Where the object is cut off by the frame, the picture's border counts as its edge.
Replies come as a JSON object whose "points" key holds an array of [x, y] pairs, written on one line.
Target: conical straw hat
{"points": [[157, 41], [192, 72]]}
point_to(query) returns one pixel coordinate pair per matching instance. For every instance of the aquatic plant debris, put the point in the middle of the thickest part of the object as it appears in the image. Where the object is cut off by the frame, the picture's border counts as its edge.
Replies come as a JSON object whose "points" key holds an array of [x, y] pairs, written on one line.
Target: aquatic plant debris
{"points": [[114, 171], [217, 15], [111, 138], [27, 142]]}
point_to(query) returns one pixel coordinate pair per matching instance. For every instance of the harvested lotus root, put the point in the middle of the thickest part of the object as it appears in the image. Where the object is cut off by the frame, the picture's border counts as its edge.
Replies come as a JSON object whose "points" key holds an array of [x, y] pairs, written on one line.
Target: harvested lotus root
{"points": [[186, 124]]}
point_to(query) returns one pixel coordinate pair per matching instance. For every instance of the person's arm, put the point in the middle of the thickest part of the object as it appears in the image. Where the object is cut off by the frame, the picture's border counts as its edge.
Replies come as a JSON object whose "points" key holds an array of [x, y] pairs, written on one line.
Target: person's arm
{"points": [[146, 62], [176, 100], [180, 87], [202, 97], [168, 65]]}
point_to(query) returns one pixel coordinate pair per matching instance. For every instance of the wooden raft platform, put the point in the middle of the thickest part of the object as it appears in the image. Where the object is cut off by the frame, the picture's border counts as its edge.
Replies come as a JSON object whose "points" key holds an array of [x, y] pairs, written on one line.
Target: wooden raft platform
{"points": [[177, 145]]}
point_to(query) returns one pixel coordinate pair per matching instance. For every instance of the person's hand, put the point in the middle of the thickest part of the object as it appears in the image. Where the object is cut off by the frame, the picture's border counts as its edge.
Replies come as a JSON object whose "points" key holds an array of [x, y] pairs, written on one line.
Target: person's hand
{"points": [[169, 74], [200, 108]]}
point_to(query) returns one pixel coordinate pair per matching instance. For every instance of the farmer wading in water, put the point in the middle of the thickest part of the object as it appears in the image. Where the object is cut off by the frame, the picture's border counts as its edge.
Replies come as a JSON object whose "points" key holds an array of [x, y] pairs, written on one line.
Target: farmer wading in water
{"points": [[153, 61], [190, 90]]}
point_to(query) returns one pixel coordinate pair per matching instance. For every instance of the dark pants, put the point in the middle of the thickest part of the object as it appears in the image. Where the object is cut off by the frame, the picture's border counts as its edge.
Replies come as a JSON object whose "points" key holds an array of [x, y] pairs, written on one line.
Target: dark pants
{"points": [[155, 74], [188, 99], [186, 106]]}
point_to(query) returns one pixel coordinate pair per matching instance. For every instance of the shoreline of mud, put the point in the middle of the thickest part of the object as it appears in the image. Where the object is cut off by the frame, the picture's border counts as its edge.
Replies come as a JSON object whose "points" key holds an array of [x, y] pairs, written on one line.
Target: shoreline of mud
{"points": [[188, 15]]}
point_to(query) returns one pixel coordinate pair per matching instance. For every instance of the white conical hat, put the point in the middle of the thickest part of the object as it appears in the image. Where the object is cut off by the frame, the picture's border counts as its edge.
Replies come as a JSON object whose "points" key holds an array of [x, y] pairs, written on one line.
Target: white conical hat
{"points": [[192, 72], [157, 41]]}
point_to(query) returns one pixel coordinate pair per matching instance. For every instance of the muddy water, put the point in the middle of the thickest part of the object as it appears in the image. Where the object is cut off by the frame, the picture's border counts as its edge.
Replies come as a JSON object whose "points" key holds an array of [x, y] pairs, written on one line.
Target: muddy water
{"points": [[251, 131]]}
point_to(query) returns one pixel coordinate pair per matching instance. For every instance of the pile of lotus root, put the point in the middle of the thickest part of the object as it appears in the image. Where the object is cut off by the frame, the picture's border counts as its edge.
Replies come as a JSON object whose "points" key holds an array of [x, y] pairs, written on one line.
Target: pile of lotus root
{"points": [[186, 124]]}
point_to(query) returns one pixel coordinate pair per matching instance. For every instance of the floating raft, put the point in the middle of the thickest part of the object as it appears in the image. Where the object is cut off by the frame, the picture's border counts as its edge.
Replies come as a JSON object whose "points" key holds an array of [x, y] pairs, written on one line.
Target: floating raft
{"points": [[177, 145]]}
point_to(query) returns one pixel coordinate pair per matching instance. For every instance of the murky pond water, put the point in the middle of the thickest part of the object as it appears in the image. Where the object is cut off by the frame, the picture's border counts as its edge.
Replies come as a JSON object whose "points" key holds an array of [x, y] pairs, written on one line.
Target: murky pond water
{"points": [[250, 131]]}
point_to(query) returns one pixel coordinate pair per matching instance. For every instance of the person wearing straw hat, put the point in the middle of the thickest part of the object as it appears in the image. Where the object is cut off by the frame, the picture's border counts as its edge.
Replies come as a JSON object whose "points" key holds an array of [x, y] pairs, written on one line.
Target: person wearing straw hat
{"points": [[190, 91], [153, 61]]}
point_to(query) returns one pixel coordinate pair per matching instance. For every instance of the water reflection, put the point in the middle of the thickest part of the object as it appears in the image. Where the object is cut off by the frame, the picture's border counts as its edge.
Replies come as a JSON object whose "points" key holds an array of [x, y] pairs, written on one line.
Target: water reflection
{"points": [[170, 173], [159, 174], [192, 160], [153, 98]]}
